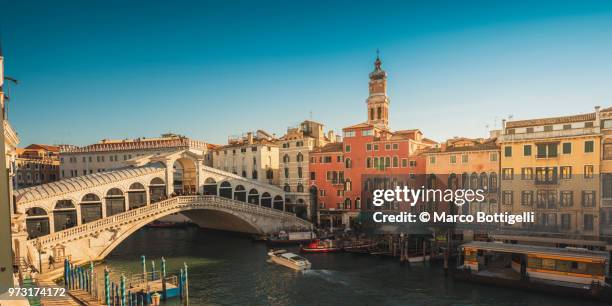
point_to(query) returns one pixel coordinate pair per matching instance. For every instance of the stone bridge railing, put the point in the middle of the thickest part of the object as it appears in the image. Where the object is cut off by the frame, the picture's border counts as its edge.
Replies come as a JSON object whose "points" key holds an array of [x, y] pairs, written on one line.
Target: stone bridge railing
{"points": [[159, 209]]}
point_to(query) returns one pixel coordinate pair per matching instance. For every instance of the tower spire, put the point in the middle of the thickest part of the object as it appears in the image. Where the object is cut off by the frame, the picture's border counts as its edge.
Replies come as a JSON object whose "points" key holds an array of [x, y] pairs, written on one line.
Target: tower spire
{"points": [[378, 102]]}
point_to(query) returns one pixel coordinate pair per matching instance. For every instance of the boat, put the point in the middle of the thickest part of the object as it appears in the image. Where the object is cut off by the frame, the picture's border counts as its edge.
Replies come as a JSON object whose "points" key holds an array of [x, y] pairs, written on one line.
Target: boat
{"points": [[289, 238], [290, 260], [571, 271], [418, 258], [321, 246]]}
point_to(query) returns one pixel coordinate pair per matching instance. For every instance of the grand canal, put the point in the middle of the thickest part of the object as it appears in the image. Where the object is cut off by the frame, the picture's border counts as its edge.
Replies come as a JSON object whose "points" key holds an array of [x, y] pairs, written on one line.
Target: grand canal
{"points": [[227, 269]]}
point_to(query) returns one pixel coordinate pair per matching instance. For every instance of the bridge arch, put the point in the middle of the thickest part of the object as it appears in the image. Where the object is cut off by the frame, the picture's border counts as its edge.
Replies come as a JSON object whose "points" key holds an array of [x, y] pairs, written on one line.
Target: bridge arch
{"points": [[185, 175], [266, 200], [157, 189], [279, 203], [115, 200]]}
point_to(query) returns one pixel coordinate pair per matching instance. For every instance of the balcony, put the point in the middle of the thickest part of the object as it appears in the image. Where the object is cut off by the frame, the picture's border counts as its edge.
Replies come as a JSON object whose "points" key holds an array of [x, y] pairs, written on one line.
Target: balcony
{"points": [[550, 134]]}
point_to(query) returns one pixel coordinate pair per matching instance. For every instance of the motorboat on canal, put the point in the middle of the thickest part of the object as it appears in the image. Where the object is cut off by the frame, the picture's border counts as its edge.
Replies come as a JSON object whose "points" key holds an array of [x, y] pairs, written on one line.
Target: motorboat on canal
{"points": [[321, 246], [290, 260], [291, 238]]}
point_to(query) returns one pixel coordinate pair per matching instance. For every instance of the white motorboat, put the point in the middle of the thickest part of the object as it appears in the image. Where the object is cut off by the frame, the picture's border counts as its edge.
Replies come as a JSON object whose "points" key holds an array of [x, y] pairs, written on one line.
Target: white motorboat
{"points": [[290, 260]]}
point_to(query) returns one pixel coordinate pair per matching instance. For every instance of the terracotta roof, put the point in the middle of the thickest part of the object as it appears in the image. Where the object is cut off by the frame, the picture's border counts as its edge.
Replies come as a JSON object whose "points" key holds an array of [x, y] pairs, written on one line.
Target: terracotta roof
{"points": [[359, 125], [552, 120], [408, 131], [330, 147], [43, 146], [486, 146], [427, 140]]}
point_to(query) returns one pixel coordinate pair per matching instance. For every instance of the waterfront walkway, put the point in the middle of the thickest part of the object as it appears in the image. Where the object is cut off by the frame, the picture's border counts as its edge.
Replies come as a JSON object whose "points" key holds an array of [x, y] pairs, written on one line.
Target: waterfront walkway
{"points": [[66, 300]]}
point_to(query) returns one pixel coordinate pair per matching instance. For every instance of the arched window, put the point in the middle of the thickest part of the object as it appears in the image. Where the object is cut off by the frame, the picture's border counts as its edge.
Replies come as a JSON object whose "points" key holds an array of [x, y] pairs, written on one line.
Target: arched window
{"points": [[266, 200], [387, 162], [369, 162], [137, 197], [300, 157], [210, 186], [240, 193], [37, 222], [347, 203], [157, 190], [225, 190], [348, 185], [286, 158], [91, 208], [452, 181], [465, 184], [287, 188], [300, 187], [348, 163], [358, 203], [483, 182], [278, 202], [253, 196], [115, 201], [474, 180], [254, 176], [395, 162], [64, 215], [493, 182]]}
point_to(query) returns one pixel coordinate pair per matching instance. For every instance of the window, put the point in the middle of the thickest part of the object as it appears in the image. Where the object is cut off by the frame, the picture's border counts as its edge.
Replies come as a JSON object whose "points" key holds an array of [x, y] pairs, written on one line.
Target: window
{"points": [[547, 150], [548, 128], [567, 126], [300, 157], [527, 150], [527, 198], [395, 146], [327, 159], [254, 174], [507, 174], [588, 124], [507, 151], [607, 151], [567, 147], [413, 163], [588, 222], [546, 175], [589, 146], [349, 134], [367, 132], [588, 198], [453, 159], [338, 158], [529, 130], [313, 176], [299, 169], [493, 156], [566, 198], [527, 173], [387, 146], [588, 171], [566, 172], [369, 162], [606, 187], [464, 159], [395, 162], [286, 173], [368, 147], [566, 222], [510, 131], [432, 160], [347, 148], [507, 197], [404, 163], [348, 163]]}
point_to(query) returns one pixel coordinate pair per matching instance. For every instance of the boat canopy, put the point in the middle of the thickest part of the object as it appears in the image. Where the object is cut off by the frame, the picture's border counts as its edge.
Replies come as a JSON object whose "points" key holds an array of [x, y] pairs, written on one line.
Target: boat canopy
{"points": [[537, 250]]}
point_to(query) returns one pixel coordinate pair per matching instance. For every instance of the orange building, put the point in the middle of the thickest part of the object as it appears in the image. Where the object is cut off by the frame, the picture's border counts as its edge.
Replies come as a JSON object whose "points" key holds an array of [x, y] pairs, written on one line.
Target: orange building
{"points": [[36, 164], [370, 156]]}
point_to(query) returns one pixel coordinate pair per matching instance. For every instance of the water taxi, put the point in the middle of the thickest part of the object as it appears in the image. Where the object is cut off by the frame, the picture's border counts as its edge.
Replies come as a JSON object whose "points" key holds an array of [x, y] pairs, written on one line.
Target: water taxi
{"points": [[572, 271], [290, 260], [321, 246]]}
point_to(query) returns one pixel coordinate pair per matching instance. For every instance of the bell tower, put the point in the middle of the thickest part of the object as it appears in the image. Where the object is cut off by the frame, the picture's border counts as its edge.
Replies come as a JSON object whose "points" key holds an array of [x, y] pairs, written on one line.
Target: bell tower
{"points": [[378, 102]]}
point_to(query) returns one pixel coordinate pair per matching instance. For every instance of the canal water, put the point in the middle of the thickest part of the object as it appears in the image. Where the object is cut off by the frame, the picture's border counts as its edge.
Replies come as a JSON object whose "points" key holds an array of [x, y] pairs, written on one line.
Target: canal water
{"points": [[228, 269]]}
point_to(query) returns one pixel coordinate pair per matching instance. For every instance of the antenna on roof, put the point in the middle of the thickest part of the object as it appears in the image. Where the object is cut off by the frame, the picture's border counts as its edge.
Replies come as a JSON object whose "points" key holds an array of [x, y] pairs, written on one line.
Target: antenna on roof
{"points": [[310, 114]]}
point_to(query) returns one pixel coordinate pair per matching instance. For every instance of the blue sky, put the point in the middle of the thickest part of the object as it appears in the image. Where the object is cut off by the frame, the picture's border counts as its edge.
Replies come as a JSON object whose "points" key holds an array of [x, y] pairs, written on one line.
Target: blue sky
{"points": [[209, 69]]}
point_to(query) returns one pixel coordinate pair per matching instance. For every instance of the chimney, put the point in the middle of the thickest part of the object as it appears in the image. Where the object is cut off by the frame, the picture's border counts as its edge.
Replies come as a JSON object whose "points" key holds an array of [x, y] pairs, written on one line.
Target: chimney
{"points": [[597, 118], [503, 126], [250, 137]]}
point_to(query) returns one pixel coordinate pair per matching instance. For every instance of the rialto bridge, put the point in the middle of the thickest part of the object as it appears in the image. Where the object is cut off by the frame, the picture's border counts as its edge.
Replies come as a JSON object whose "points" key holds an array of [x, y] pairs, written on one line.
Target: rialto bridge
{"points": [[85, 218]]}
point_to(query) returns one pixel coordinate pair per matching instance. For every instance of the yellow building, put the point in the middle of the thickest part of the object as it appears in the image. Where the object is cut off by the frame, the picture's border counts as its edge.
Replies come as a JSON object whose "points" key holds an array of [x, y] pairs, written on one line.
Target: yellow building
{"points": [[551, 166], [605, 215]]}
